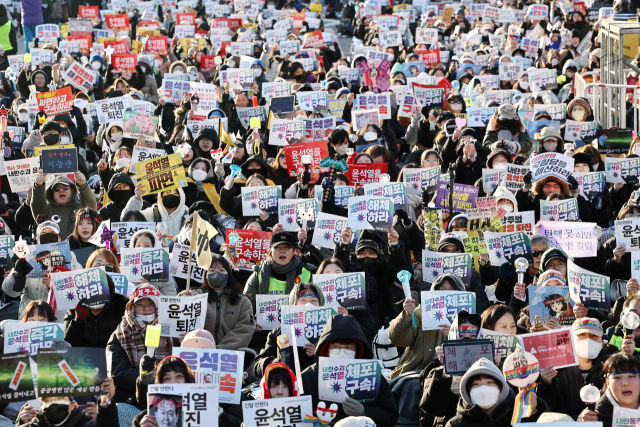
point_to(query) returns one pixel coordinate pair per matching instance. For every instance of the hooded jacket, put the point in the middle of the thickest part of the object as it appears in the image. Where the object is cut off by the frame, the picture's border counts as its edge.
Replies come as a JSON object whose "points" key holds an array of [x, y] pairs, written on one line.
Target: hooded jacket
{"points": [[196, 191], [113, 209], [208, 133], [419, 345], [25, 80], [530, 201], [150, 89], [158, 213], [383, 411], [264, 382], [471, 415], [42, 203]]}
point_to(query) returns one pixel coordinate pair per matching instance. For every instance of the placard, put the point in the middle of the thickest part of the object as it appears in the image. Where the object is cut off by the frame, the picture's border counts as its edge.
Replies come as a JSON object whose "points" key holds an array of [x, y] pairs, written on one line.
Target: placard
{"points": [[589, 288], [616, 141], [628, 233], [22, 173], [339, 379], [464, 196], [251, 247], [551, 164], [577, 239], [396, 191], [507, 247], [284, 132], [59, 161], [42, 257], [307, 323], [559, 210], [138, 125], [124, 231], [312, 101], [289, 411], [420, 179], [30, 336], [437, 263], [590, 184], [16, 383], [145, 263], [551, 302], [111, 109], [361, 119], [255, 200], [161, 174], [75, 371], [360, 174], [293, 214], [441, 307], [504, 344], [514, 177], [370, 213], [328, 230], [346, 290], [460, 355], [196, 403], [55, 102], [553, 348], [269, 310], [318, 150], [88, 286], [380, 101], [181, 315], [79, 77]]}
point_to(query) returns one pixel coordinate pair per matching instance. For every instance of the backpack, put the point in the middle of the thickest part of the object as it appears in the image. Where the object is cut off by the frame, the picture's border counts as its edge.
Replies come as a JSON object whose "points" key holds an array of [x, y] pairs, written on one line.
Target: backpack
{"points": [[383, 350]]}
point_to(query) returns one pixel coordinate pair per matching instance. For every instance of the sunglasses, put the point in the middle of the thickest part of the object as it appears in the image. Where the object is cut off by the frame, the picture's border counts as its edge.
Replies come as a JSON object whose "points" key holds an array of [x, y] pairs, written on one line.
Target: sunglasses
{"points": [[455, 101], [61, 188], [536, 254]]}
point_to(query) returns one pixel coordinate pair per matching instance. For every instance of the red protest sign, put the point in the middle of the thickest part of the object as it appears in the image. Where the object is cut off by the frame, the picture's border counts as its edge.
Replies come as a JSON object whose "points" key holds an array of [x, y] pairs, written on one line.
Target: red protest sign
{"points": [[360, 174], [297, 19], [552, 348], [144, 24], [119, 47], [128, 61], [313, 39], [157, 45], [251, 247], [186, 18], [55, 102], [85, 42], [236, 23], [224, 46], [91, 12], [318, 150], [207, 62], [430, 57], [115, 22]]}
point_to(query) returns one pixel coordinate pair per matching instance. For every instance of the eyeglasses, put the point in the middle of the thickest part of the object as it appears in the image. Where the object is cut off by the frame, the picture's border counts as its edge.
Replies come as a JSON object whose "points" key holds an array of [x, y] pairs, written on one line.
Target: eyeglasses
{"points": [[142, 306], [61, 188], [455, 101], [536, 254]]}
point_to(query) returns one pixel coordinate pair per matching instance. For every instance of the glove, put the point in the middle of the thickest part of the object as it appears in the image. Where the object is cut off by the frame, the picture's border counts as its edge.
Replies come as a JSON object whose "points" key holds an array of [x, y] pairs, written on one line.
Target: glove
{"points": [[506, 272], [352, 407], [81, 312], [512, 146], [527, 179], [573, 184], [326, 183], [403, 216], [60, 344], [305, 178], [147, 363], [219, 170]]}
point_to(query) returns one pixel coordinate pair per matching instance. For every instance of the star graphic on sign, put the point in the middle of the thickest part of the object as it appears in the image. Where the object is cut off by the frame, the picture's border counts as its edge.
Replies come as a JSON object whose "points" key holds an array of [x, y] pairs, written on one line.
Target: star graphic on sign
{"points": [[280, 136], [615, 174], [329, 298], [52, 85], [22, 348], [438, 315], [254, 205], [360, 218], [327, 236], [134, 270], [3, 111], [499, 254], [434, 273], [298, 332], [70, 296], [290, 220], [336, 387], [576, 291], [271, 317], [109, 50], [415, 186]]}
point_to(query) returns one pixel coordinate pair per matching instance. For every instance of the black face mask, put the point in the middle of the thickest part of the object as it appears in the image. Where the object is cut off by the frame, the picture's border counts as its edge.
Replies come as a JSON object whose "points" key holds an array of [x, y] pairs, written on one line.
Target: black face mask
{"points": [[121, 195], [56, 412], [109, 268], [217, 280], [368, 262], [51, 139], [505, 123], [171, 201], [48, 238]]}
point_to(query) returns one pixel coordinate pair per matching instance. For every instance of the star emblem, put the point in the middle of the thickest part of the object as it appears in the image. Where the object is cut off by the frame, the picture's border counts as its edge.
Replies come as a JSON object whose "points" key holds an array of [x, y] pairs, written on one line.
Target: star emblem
{"points": [[254, 205], [327, 236], [109, 50], [298, 332], [499, 254], [70, 296], [336, 387], [52, 86], [434, 273], [271, 317], [134, 270], [290, 220], [329, 298], [22, 348], [360, 218], [438, 315]]}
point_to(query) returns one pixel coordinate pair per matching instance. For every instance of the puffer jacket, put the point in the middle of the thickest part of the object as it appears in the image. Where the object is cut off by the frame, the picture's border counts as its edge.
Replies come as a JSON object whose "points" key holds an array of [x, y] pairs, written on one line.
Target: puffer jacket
{"points": [[150, 89]]}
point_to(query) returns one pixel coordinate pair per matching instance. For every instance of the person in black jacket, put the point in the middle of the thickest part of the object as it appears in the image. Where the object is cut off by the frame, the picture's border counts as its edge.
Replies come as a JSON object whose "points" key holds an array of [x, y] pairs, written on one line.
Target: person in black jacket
{"points": [[120, 190], [602, 207], [618, 260], [86, 224], [92, 326], [343, 334]]}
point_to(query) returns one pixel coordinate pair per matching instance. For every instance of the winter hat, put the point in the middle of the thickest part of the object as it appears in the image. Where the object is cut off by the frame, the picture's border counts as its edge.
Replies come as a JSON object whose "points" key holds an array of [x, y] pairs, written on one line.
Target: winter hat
{"points": [[502, 193], [366, 243], [50, 126], [450, 239], [306, 289], [355, 422], [551, 132], [397, 68], [554, 417], [506, 112], [583, 158], [551, 275], [145, 290], [499, 149], [587, 324], [198, 338], [264, 382], [48, 224], [342, 91]]}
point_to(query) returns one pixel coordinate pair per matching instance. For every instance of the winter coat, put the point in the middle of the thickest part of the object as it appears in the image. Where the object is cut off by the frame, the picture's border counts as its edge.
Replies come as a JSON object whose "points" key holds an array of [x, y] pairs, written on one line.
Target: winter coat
{"points": [[612, 268], [42, 203], [384, 410], [95, 331], [31, 15], [150, 89], [232, 326], [527, 201], [113, 210], [107, 417], [251, 288]]}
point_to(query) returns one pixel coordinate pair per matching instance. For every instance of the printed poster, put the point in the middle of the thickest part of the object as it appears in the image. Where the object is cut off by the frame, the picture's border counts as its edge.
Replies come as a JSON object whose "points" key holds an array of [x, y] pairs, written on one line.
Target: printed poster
{"points": [[181, 315], [551, 302], [76, 371], [590, 288], [293, 214], [197, 403], [255, 200], [250, 248], [88, 286], [277, 412], [370, 213], [269, 310], [437, 263], [161, 174], [578, 240], [339, 379], [30, 336], [306, 323], [552, 348], [559, 210], [441, 307], [152, 264], [346, 289]]}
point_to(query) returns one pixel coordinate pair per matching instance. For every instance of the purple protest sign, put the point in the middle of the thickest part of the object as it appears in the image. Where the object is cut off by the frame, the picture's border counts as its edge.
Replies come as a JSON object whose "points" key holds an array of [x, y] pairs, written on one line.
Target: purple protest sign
{"points": [[363, 67], [464, 197], [383, 82], [384, 67]]}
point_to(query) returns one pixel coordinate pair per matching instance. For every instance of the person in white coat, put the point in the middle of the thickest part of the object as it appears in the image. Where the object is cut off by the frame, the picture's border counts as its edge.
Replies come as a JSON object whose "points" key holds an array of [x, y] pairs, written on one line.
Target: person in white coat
{"points": [[170, 210]]}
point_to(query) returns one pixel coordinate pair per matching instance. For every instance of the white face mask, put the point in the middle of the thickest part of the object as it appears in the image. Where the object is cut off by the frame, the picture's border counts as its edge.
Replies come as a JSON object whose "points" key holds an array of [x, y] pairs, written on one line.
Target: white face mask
{"points": [[370, 136], [98, 306], [588, 349], [550, 146], [390, 57], [484, 396], [456, 107], [460, 234], [64, 140], [500, 166], [198, 175], [116, 137], [341, 149], [257, 72], [24, 117], [145, 318], [439, 79], [524, 85], [578, 115], [123, 161], [96, 65], [554, 61], [507, 208], [342, 353]]}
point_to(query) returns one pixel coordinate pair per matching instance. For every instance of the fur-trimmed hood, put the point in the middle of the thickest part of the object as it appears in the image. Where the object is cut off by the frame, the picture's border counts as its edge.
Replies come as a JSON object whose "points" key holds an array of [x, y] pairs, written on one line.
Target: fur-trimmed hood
{"points": [[539, 185]]}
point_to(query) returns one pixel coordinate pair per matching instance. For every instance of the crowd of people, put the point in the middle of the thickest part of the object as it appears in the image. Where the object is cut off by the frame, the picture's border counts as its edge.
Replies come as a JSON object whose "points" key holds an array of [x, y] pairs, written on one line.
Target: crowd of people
{"points": [[484, 117]]}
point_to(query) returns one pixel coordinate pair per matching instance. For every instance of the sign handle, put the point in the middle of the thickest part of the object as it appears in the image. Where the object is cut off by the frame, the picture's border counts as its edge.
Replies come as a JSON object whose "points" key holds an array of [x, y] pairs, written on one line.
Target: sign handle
{"points": [[191, 249], [296, 361]]}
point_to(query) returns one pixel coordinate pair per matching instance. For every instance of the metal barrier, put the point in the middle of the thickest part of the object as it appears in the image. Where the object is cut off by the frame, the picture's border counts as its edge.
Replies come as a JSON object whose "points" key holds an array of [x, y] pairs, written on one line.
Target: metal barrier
{"points": [[610, 110]]}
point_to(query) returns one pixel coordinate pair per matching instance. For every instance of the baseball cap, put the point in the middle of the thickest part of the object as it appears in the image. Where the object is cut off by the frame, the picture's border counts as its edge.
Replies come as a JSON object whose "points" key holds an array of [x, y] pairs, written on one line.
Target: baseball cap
{"points": [[587, 324], [282, 237]]}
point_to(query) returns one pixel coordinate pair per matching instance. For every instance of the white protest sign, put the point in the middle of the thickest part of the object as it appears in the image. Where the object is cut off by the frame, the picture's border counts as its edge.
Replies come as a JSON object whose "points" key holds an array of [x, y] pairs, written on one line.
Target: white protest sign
{"points": [[290, 411], [269, 310], [143, 153], [180, 315], [577, 239], [551, 164], [179, 265]]}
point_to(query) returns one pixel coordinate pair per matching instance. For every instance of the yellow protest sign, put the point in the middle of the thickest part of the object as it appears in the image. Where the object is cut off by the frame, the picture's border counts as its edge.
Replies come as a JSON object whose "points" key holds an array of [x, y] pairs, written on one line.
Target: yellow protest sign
{"points": [[401, 7], [152, 336], [162, 173]]}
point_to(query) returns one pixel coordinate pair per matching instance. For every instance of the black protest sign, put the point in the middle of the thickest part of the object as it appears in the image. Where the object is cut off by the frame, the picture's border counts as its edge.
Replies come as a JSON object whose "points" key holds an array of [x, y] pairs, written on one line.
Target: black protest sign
{"points": [[59, 160], [283, 104], [460, 355]]}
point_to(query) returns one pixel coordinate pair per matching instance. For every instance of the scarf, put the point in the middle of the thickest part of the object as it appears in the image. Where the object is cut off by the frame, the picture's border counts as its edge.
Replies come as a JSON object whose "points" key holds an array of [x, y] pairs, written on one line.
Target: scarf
{"points": [[131, 337], [289, 269]]}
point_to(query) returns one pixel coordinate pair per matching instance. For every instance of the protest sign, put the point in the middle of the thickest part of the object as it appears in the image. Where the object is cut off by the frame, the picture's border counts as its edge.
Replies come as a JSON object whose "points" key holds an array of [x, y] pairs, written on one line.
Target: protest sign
{"points": [[269, 310], [258, 199], [294, 214], [22, 173], [619, 170], [420, 179], [140, 154], [345, 289], [559, 210], [590, 184], [589, 288], [251, 247], [179, 265], [75, 371], [284, 132], [360, 174], [578, 240], [313, 40], [479, 116], [370, 213], [88, 286], [318, 150], [553, 348], [47, 32], [7, 244], [585, 131], [16, 379], [319, 128], [328, 230], [55, 102], [145, 263], [339, 379], [514, 175], [139, 125], [396, 191], [307, 323], [427, 36], [275, 90], [79, 77], [430, 96], [441, 307], [511, 71], [551, 302], [44, 256], [504, 344], [628, 233], [390, 38], [622, 417], [31, 336], [616, 141], [59, 161], [121, 284], [289, 411], [174, 90], [361, 119], [312, 101], [491, 178], [245, 114], [507, 247], [342, 194], [460, 355], [125, 231], [380, 101], [464, 196], [551, 164], [115, 22], [180, 315], [195, 405], [161, 174], [436, 263]]}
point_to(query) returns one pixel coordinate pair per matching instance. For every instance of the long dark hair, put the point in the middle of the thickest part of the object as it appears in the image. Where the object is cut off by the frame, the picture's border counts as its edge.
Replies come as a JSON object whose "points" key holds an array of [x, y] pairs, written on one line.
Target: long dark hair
{"points": [[494, 313], [515, 125], [93, 217], [328, 261], [231, 287]]}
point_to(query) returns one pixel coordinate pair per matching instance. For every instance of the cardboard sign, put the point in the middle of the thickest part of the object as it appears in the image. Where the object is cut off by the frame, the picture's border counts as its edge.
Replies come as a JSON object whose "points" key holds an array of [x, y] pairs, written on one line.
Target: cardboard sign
{"points": [[161, 174], [441, 307], [30, 336], [284, 132], [328, 230], [59, 161], [250, 248], [420, 179], [437, 263], [390, 38], [17, 382], [125, 231], [507, 247], [197, 404], [551, 164], [504, 344], [578, 240], [22, 173], [258, 199], [360, 174], [551, 302], [145, 263], [339, 379], [277, 412], [370, 213], [318, 150], [181, 315], [464, 197], [345, 289], [76, 371], [559, 210], [460, 355], [269, 310], [88, 286], [55, 102], [293, 214], [590, 288], [307, 323], [552, 348]]}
